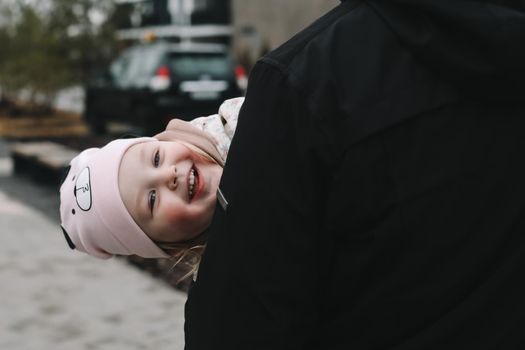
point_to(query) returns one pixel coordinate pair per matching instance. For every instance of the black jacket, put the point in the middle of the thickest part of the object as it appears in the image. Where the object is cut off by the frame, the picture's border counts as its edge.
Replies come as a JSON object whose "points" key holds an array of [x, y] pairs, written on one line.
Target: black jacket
{"points": [[376, 187]]}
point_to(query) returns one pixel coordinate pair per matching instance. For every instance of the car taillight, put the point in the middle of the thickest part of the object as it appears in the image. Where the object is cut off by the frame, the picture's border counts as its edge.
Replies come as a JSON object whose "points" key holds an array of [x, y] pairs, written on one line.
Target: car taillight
{"points": [[161, 80], [163, 71], [240, 72], [240, 75]]}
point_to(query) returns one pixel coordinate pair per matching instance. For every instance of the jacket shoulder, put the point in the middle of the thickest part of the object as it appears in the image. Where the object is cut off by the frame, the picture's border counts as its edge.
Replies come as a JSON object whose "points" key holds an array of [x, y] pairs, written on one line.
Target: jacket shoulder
{"points": [[295, 47], [351, 67]]}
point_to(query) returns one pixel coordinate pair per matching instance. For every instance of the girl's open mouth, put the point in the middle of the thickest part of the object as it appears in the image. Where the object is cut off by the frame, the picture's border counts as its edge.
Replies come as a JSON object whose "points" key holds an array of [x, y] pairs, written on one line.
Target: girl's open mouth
{"points": [[193, 182]]}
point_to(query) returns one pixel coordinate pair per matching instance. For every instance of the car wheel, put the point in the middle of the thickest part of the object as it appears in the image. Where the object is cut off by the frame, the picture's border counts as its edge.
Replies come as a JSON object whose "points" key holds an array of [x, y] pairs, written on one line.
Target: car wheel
{"points": [[99, 128], [96, 125]]}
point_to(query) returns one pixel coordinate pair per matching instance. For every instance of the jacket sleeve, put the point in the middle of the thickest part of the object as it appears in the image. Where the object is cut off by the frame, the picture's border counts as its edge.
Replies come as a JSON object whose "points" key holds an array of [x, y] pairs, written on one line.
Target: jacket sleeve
{"points": [[258, 284]]}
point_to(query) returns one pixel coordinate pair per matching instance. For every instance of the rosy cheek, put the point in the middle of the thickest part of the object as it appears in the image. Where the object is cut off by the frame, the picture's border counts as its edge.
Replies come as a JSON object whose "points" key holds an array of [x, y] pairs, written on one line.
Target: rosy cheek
{"points": [[173, 215]]}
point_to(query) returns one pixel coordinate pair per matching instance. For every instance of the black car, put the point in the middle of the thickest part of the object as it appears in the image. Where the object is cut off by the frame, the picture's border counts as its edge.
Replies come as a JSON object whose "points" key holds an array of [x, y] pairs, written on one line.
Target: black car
{"points": [[149, 84]]}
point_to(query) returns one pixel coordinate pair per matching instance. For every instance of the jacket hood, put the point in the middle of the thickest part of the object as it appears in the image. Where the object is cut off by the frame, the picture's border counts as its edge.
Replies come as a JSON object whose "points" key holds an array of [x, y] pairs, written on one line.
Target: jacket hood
{"points": [[477, 46]]}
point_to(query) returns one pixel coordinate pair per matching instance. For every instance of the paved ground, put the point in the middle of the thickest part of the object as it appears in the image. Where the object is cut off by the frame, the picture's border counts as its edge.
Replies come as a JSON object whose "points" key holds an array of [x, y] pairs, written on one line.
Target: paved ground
{"points": [[54, 298]]}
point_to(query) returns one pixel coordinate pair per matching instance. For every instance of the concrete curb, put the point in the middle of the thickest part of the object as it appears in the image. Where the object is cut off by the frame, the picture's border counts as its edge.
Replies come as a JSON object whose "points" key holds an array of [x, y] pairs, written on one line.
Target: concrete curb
{"points": [[54, 298], [42, 159]]}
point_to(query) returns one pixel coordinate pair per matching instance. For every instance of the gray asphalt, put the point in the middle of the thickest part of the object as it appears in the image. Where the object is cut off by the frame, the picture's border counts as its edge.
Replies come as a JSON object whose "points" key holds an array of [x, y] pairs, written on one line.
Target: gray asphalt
{"points": [[55, 298]]}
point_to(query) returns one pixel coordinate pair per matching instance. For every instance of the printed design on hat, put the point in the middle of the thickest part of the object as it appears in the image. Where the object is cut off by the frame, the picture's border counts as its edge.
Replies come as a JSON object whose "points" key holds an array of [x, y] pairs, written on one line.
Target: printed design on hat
{"points": [[83, 189]]}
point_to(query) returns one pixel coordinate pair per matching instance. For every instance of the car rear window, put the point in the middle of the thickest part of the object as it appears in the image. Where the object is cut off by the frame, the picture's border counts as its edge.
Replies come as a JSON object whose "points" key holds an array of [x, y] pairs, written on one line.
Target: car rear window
{"points": [[195, 65], [135, 67]]}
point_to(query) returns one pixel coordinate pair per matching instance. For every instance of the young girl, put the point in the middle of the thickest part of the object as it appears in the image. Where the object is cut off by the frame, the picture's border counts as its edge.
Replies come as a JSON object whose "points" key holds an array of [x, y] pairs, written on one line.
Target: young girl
{"points": [[149, 196]]}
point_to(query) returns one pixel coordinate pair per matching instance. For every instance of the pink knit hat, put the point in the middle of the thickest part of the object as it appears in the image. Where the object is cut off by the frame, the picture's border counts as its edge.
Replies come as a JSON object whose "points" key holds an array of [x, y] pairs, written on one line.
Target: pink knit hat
{"points": [[94, 218]]}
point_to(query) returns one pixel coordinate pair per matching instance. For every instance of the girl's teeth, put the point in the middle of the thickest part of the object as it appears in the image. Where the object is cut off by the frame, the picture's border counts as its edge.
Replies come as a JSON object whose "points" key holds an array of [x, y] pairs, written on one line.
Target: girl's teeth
{"points": [[191, 182]]}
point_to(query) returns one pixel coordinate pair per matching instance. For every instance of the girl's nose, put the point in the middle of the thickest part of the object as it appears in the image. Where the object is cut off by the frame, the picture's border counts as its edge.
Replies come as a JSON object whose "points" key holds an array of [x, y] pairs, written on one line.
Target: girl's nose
{"points": [[171, 177]]}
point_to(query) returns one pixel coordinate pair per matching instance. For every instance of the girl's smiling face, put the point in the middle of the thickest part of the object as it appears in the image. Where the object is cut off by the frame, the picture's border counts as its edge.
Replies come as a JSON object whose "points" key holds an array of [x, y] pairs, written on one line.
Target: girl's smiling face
{"points": [[169, 190]]}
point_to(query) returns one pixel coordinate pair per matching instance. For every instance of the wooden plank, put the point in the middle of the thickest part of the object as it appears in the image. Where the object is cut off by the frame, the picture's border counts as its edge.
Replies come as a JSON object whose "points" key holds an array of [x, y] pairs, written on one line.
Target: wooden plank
{"points": [[34, 149]]}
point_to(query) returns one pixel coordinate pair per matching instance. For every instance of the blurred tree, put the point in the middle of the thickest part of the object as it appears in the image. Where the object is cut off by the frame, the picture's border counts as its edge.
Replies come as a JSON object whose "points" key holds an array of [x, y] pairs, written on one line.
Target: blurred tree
{"points": [[47, 48]]}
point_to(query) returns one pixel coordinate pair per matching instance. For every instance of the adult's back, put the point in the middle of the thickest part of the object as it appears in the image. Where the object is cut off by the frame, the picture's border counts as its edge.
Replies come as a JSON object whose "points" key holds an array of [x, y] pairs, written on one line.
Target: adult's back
{"points": [[375, 187]]}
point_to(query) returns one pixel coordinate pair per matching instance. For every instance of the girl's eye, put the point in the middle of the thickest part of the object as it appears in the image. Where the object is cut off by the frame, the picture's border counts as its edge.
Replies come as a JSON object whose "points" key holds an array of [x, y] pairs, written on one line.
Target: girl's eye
{"points": [[156, 159], [151, 199]]}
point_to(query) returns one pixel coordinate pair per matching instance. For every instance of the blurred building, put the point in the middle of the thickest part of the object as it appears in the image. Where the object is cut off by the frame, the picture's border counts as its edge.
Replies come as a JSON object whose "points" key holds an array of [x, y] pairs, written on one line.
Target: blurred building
{"points": [[252, 27], [260, 26], [177, 20], [141, 13]]}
